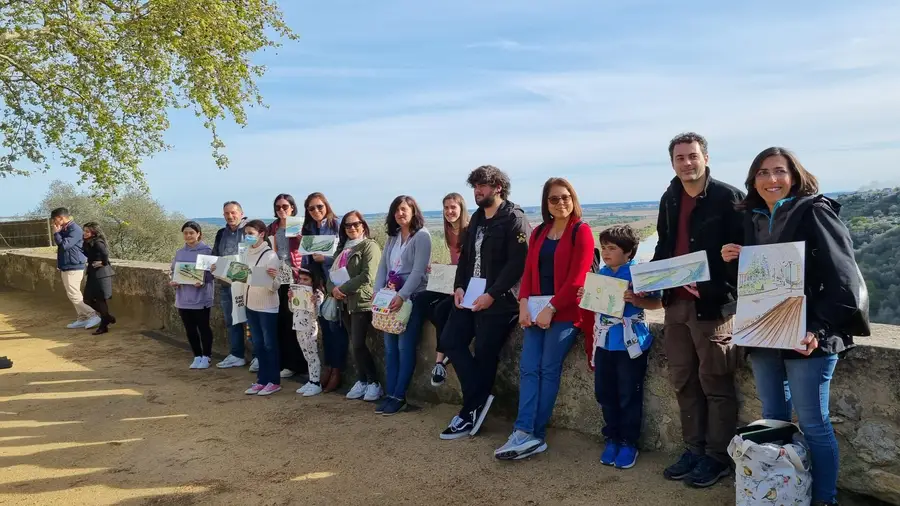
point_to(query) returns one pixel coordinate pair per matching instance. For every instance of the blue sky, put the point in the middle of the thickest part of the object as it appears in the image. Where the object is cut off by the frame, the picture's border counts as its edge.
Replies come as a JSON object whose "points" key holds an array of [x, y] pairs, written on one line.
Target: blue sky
{"points": [[382, 98]]}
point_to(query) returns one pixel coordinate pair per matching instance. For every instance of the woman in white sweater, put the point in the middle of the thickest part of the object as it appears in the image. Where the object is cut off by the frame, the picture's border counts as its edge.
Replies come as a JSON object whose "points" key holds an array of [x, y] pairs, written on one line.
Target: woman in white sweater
{"points": [[262, 309]]}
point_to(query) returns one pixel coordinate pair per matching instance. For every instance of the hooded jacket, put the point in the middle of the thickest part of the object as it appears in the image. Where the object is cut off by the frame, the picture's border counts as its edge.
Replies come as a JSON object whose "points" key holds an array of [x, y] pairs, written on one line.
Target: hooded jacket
{"points": [[837, 302], [714, 222], [503, 253]]}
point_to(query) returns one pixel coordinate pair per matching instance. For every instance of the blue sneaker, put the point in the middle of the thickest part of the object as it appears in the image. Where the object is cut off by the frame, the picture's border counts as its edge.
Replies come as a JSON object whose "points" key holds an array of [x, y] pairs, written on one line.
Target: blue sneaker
{"points": [[627, 457], [686, 463], [608, 457], [381, 404], [394, 406]]}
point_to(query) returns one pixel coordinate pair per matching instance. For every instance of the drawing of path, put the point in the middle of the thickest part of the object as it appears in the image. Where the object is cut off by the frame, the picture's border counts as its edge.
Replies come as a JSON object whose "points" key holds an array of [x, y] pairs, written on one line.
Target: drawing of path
{"points": [[781, 326], [671, 277]]}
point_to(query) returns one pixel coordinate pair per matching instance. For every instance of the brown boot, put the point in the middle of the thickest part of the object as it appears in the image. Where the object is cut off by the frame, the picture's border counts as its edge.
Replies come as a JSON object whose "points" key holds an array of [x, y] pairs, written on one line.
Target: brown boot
{"points": [[334, 381], [326, 375]]}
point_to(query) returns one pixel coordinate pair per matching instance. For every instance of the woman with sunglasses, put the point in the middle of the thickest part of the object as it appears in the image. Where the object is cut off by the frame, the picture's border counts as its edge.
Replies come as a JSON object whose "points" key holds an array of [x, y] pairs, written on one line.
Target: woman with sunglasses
{"points": [[319, 219], [560, 253], [359, 255], [288, 250]]}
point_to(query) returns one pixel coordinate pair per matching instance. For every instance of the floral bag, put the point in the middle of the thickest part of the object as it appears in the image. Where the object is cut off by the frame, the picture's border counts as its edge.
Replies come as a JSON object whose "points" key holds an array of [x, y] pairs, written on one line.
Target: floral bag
{"points": [[770, 473], [385, 320]]}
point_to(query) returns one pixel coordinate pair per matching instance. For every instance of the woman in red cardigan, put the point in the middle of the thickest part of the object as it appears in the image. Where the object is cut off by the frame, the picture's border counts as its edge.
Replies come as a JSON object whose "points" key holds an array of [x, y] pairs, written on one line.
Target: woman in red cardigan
{"points": [[560, 253], [288, 250]]}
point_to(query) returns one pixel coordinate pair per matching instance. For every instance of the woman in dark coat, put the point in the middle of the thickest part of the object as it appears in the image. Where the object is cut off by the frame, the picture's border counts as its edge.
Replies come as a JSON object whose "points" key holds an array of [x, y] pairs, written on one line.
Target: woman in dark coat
{"points": [[98, 287]]}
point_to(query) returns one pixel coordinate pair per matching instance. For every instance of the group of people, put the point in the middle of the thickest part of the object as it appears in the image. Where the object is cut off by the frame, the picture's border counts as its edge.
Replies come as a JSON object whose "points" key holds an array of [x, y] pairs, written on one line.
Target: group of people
{"points": [[497, 253]]}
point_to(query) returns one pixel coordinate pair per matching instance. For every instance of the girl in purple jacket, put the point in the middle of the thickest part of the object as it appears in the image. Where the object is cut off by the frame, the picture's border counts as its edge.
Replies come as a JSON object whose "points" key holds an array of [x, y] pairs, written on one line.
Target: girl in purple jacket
{"points": [[194, 301]]}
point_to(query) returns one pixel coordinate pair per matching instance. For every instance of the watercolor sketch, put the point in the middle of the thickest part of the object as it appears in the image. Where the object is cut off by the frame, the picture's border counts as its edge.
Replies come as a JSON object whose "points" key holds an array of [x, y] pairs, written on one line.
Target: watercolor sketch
{"points": [[301, 299], [186, 273], [670, 273], [205, 262], [318, 244], [771, 308], [441, 278], [293, 226], [604, 295], [285, 274], [238, 272]]}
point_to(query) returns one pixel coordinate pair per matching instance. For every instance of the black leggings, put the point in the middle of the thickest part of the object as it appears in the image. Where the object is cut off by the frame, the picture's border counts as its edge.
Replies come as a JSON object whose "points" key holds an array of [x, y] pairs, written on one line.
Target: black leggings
{"points": [[357, 325], [102, 308], [289, 352], [199, 334]]}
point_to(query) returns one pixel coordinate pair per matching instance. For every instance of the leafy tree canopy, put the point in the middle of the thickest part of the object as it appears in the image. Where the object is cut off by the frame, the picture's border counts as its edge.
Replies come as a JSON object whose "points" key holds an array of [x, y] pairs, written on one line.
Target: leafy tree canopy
{"points": [[91, 81]]}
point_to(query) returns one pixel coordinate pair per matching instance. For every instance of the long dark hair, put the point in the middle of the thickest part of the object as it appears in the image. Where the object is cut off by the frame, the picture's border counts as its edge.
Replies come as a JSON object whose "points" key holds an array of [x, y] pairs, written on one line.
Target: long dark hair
{"points": [[545, 204], [416, 222], [290, 200], [310, 225], [463, 218], [96, 231], [342, 232], [803, 183]]}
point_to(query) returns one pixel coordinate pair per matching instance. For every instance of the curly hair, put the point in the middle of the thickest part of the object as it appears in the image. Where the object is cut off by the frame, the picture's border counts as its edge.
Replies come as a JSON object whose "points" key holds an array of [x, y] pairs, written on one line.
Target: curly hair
{"points": [[688, 138], [491, 176]]}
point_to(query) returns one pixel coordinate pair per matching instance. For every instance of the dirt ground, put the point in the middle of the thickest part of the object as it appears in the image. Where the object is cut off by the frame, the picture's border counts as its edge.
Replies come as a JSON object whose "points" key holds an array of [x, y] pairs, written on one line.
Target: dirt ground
{"points": [[120, 419]]}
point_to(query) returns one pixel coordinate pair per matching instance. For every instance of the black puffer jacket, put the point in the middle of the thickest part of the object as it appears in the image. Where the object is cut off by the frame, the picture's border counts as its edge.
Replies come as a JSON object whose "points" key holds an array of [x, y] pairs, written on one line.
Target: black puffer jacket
{"points": [[837, 302]]}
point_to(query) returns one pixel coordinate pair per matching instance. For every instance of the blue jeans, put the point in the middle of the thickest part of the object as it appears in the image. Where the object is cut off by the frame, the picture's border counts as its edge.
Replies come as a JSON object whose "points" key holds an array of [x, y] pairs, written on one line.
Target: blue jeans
{"points": [[805, 384], [235, 332], [619, 389], [540, 368], [400, 355], [335, 343], [264, 335]]}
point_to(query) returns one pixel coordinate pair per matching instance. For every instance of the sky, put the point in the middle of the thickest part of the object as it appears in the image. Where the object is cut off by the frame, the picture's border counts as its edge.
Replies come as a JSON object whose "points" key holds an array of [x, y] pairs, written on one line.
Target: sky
{"points": [[378, 99]]}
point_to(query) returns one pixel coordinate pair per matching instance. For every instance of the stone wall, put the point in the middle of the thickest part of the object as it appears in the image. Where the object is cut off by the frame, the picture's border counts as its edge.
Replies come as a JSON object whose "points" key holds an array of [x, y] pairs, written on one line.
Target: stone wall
{"points": [[865, 395]]}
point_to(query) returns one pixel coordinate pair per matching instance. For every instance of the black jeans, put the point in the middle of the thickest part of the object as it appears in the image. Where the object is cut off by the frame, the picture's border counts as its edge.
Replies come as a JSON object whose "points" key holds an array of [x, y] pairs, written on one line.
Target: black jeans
{"points": [[199, 334], [102, 308], [619, 388], [334, 343], [476, 372], [288, 347], [357, 325], [436, 308]]}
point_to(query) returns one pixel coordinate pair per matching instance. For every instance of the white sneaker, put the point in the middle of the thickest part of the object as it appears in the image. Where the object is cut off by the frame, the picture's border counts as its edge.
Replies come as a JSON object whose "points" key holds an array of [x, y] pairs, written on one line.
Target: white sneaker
{"points": [[196, 363], [373, 392], [254, 365], [358, 390], [77, 324], [92, 322], [312, 390], [302, 390], [286, 373], [204, 363], [231, 361]]}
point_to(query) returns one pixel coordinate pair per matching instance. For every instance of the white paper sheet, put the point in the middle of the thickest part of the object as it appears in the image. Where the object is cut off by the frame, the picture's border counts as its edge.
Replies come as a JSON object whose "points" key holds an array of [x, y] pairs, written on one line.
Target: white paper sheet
{"points": [[204, 262], [259, 276], [340, 276], [441, 278], [536, 304], [473, 291]]}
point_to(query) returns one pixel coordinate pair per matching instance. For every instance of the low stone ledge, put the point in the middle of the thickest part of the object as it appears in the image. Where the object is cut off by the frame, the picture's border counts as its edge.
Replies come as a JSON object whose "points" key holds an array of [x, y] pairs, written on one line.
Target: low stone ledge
{"points": [[865, 392]]}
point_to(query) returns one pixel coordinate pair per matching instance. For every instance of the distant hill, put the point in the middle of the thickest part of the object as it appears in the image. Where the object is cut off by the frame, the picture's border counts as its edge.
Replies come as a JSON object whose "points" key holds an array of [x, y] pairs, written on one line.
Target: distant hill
{"points": [[873, 218]]}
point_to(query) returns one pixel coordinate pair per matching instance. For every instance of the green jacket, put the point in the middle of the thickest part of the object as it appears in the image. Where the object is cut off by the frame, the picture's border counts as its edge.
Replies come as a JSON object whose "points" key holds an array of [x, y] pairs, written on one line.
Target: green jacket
{"points": [[362, 266]]}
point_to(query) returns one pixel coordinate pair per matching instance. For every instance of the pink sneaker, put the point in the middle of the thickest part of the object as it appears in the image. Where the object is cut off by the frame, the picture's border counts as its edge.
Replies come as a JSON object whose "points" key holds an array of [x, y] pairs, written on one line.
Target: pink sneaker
{"points": [[254, 389], [269, 389]]}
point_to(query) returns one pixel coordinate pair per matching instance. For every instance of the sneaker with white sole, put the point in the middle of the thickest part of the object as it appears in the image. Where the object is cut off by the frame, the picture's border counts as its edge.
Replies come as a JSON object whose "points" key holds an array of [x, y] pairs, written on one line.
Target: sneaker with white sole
{"points": [[302, 390], [312, 390], [254, 365], [77, 324], [519, 443], [358, 391], [195, 363], [92, 322], [270, 389], [538, 449], [438, 375], [204, 363], [254, 389], [286, 373], [479, 414], [459, 427], [373, 392], [231, 361]]}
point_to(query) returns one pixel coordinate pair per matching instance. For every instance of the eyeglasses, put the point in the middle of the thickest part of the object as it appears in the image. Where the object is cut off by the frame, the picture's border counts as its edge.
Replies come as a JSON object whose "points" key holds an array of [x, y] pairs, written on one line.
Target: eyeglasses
{"points": [[779, 172], [355, 224], [283, 207], [318, 207], [560, 198]]}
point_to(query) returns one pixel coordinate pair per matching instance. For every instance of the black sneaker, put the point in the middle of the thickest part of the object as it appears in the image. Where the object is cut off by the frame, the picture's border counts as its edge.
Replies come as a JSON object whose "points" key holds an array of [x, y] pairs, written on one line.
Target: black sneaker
{"points": [[394, 406], [380, 405], [438, 375], [459, 427], [686, 463], [707, 473], [479, 414]]}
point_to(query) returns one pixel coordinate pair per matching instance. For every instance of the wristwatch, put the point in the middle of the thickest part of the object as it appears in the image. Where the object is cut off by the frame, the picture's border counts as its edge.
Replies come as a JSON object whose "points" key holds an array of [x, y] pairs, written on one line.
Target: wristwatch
{"points": [[551, 308]]}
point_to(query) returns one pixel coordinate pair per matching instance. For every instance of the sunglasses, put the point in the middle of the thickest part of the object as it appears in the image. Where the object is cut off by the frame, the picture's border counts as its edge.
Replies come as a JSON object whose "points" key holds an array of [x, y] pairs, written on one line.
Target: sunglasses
{"points": [[561, 198], [319, 207], [355, 224], [283, 207]]}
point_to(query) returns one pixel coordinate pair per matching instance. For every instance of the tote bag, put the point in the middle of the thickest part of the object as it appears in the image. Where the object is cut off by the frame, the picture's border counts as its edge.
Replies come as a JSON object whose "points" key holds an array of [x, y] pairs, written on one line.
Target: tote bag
{"points": [[392, 322], [768, 472], [238, 303]]}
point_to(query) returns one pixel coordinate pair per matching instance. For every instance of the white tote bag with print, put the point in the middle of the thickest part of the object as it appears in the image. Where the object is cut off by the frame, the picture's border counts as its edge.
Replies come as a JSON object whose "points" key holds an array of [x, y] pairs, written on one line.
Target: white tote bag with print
{"points": [[770, 473], [238, 303]]}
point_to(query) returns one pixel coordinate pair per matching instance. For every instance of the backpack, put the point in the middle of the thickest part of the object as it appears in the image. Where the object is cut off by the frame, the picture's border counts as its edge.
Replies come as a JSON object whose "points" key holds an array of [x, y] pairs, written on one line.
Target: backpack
{"points": [[596, 263]]}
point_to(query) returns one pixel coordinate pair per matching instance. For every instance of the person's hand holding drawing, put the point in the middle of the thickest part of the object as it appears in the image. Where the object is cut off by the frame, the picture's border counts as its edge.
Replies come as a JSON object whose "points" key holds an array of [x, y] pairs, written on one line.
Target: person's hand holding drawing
{"points": [[692, 289], [483, 302], [731, 252], [811, 342]]}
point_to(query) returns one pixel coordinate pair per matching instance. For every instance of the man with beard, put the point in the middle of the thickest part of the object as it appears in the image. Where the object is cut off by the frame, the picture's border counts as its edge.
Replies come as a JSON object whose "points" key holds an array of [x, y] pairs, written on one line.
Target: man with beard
{"points": [[493, 255]]}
